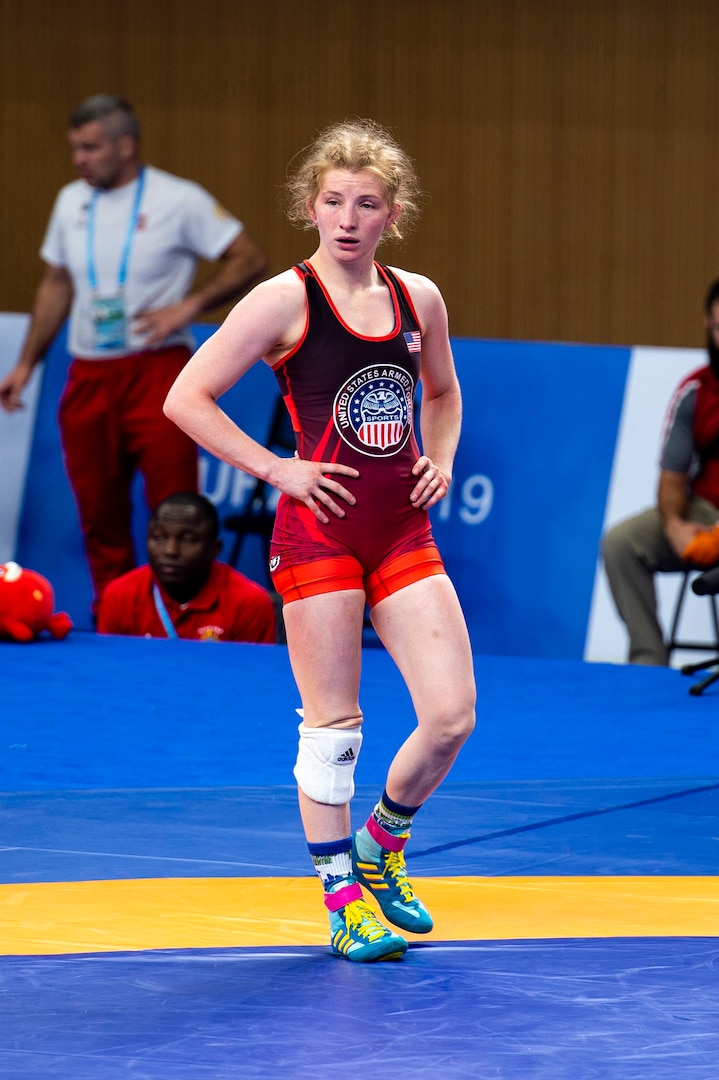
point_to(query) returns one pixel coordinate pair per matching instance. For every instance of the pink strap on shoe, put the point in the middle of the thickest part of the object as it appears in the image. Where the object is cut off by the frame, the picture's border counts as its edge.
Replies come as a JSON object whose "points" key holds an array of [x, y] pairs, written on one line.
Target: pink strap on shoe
{"points": [[385, 839], [335, 900]]}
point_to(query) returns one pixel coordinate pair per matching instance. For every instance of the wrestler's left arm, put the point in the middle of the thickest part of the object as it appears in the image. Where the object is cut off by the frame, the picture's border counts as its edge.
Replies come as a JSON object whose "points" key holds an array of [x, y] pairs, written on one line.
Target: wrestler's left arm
{"points": [[441, 411]]}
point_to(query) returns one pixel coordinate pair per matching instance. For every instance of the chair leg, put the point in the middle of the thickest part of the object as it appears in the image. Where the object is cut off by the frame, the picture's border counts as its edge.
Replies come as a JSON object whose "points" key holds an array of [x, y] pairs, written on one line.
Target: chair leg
{"points": [[700, 687], [699, 665], [671, 643], [715, 618]]}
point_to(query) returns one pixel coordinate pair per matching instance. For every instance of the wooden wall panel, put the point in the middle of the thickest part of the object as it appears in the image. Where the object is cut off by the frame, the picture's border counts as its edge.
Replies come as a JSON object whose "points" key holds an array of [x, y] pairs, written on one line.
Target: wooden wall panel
{"points": [[568, 148]]}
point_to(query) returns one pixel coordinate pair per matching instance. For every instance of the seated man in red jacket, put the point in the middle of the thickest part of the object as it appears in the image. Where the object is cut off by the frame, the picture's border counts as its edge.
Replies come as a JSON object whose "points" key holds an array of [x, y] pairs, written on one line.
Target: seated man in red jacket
{"points": [[184, 592]]}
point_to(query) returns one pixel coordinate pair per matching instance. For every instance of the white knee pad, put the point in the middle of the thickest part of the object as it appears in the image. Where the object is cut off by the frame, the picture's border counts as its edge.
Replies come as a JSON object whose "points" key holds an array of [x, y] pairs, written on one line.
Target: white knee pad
{"points": [[326, 762]]}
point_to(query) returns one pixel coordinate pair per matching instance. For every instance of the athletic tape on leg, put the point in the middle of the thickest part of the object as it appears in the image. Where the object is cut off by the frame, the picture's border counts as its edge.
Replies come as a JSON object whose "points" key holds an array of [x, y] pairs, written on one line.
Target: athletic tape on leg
{"points": [[326, 761]]}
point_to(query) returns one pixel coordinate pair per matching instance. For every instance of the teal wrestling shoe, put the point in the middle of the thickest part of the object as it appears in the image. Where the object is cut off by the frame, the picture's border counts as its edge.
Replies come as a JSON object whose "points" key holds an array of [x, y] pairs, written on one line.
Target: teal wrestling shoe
{"points": [[357, 934], [384, 873]]}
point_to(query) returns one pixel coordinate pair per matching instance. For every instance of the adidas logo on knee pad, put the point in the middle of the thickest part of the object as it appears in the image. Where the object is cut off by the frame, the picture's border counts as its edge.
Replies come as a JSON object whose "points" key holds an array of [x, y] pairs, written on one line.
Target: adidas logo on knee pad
{"points": [[326, 761]]}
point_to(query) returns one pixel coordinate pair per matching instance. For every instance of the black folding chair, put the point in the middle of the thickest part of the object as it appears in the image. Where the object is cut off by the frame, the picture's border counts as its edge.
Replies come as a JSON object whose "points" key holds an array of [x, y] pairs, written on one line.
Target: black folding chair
{"points": [[706, 584], [674, 641]]}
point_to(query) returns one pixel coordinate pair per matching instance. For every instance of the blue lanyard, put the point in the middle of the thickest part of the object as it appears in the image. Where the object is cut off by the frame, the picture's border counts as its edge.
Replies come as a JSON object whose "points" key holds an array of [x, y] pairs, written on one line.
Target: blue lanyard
{"points": [[134, 216], [163, 613]]}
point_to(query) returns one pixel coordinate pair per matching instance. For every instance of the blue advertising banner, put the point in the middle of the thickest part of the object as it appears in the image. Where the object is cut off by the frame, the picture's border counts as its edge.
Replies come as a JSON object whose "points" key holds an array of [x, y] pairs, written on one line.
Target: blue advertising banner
{"points": [[519, 531], [521, 528]]}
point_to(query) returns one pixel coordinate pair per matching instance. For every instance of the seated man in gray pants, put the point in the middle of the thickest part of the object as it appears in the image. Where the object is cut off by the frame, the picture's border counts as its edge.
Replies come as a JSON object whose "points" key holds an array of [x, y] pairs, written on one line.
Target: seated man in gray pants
{"points": [[676, 534]]}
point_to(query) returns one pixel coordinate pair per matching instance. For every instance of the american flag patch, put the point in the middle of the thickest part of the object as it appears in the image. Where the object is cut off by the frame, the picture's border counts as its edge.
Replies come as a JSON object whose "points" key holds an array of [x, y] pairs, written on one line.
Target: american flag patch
{"points": [[414, 341], [381, 433]]}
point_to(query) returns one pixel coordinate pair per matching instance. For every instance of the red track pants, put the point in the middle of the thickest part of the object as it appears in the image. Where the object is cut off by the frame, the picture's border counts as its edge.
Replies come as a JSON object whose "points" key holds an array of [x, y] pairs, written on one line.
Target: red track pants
{"points": [[112, 426]]}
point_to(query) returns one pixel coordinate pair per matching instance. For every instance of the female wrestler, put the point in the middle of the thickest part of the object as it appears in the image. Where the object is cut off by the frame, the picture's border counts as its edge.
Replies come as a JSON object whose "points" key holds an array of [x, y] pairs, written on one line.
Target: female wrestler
{"points": [[349, 339]]}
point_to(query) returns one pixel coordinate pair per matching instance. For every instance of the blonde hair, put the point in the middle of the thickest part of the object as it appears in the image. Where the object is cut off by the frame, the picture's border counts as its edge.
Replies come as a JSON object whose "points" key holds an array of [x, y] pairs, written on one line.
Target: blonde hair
{"points": [[355, 145]]}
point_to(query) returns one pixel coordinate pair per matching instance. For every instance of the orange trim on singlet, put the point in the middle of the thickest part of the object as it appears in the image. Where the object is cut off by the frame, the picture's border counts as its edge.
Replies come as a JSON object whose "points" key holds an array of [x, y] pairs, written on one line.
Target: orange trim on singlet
{"points": [[302, 580], [394, 575], [344, 572]]}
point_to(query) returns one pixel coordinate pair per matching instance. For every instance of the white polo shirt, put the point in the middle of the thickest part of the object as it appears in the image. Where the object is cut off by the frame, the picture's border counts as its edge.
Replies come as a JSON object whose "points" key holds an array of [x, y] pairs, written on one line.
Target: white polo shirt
{"points": [[178, 223]]}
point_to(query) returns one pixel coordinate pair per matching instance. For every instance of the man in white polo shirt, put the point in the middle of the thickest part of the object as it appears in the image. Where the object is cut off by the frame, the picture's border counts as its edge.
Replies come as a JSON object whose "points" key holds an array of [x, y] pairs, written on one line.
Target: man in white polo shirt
{"points": [[121, 252]]}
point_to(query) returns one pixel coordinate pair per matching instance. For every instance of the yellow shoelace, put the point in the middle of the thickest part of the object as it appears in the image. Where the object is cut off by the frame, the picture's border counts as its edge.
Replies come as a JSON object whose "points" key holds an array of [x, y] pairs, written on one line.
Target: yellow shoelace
{"points": [[360, 915], [395, 867]]}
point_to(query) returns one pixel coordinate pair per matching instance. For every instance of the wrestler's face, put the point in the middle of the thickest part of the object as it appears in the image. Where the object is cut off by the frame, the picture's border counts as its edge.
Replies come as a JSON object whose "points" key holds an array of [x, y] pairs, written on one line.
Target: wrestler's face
{"points": [[351, 212], [103, 160], [180, 547]]}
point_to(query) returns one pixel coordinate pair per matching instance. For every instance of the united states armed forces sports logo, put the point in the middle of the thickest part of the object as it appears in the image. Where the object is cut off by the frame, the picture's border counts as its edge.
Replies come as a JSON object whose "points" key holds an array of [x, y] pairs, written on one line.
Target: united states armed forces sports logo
{"points": [[373, 410]]}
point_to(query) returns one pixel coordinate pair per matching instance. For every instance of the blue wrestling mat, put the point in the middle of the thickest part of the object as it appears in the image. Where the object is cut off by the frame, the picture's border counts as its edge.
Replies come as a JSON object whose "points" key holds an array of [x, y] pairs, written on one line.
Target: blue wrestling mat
{"points": [[159, 917]]}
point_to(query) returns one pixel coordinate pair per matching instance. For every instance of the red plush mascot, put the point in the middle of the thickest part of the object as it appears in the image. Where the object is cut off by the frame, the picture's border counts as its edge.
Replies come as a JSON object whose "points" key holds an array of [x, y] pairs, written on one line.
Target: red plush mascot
{"points": [[26, 605]]}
